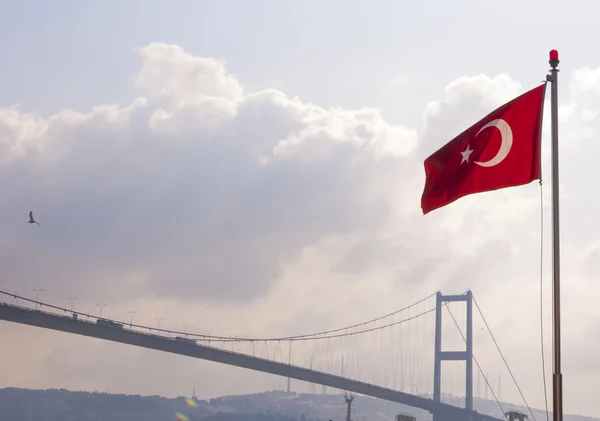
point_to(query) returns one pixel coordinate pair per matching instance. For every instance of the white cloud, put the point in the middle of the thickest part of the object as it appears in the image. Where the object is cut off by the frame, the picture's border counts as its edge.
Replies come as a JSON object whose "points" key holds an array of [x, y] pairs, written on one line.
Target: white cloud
{"points": [[246, 212], [396, 82], [169, 71]]}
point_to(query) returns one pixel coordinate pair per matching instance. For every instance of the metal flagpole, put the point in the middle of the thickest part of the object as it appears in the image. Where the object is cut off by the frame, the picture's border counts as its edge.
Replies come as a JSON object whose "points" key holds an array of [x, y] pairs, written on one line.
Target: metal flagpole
{"points": [[557, 404]]}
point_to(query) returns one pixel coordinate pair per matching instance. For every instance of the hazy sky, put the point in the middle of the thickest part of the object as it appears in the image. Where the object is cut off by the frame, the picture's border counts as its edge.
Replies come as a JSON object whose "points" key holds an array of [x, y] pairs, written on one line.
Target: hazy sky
{"points": [[256, 167]]}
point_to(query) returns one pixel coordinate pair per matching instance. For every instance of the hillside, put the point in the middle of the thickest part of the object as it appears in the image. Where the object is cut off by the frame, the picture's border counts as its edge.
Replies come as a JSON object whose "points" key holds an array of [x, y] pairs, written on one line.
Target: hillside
{"points": [[63, 405]]}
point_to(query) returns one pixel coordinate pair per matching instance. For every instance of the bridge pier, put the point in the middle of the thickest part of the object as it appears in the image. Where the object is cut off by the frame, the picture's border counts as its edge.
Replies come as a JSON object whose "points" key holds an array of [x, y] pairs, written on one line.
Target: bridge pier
{"points": [[466, 355]]}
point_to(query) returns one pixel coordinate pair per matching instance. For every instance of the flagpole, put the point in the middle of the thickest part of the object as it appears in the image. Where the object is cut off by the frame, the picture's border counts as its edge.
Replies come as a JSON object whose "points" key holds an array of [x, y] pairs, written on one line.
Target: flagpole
{"points": [[557, 407]]}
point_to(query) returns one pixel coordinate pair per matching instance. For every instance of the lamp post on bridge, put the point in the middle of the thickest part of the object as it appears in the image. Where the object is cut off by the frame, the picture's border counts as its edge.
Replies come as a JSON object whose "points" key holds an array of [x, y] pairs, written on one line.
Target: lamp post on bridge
{"points": [[101, 305], [37, 295], [158, 319], [185, 328], [131, 313], [2, 282], [375, 376], [71, 299]]}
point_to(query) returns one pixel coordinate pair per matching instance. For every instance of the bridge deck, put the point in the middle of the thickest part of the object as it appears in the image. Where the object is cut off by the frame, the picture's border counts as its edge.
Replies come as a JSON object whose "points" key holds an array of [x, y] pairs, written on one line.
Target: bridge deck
{"points": [[23, 315]]}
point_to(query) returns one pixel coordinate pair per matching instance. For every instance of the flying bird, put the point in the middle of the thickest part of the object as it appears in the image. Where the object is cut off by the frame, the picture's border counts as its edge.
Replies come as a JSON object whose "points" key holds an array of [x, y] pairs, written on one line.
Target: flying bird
{"points": [[31, 220]]}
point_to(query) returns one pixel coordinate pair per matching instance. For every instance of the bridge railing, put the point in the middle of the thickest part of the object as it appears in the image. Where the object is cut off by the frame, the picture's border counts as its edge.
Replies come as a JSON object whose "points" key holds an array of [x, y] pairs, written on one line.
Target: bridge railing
{"points": [[198, 337]]}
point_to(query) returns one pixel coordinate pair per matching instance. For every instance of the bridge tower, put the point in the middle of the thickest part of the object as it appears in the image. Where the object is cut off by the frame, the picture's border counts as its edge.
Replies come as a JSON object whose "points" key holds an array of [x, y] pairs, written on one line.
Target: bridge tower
{"points": [[466, 355]]}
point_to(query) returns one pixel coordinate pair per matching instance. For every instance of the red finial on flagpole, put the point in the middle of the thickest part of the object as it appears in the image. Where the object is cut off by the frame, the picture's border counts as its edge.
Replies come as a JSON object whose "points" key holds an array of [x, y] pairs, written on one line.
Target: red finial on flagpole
{"points": [[554, 58]]}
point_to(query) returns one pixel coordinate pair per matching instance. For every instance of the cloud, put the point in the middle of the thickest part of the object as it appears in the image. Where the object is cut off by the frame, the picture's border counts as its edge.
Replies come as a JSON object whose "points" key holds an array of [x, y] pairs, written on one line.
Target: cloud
{"points": [[168, 71], [202, 194], [258, 213], [395, 82]]}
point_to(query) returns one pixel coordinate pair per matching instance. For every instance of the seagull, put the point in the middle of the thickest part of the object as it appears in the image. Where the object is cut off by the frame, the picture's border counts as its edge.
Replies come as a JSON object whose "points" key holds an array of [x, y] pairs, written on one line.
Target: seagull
{"points": [[31, 220]]}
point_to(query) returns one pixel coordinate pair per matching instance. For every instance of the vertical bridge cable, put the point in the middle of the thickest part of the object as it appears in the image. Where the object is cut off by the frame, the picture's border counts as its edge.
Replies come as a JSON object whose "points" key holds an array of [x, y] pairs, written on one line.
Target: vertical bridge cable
{"points": [[371, 332], [477, 362], [503, 359]]}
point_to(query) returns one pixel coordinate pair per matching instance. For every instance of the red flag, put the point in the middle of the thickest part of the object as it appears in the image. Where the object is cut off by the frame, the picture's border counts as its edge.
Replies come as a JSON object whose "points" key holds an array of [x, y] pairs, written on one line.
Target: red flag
{"points": [[501, 150]]}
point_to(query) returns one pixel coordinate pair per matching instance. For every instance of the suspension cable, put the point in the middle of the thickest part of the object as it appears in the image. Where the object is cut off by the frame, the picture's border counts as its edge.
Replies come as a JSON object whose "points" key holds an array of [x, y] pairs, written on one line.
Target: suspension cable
{"points": [[223, 338], [362, 323], [503, 359]]}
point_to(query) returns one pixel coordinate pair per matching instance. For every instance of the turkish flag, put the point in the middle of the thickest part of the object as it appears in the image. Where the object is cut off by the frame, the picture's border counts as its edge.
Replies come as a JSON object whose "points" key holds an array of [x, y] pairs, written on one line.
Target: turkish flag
{"points": [[501, 150]]}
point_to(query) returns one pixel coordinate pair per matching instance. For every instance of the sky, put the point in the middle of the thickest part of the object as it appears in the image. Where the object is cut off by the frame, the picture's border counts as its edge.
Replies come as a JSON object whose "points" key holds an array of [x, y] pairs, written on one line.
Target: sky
{"points": [[256, 168]]}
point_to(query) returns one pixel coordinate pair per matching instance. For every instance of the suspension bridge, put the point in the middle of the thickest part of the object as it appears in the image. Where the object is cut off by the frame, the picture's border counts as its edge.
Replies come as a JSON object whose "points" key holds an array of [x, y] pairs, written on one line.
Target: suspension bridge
{"points": [[401, 357]]}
